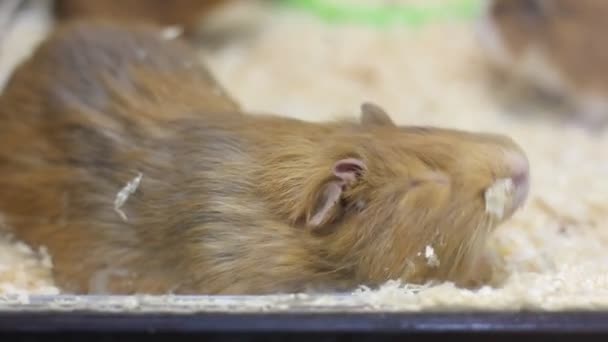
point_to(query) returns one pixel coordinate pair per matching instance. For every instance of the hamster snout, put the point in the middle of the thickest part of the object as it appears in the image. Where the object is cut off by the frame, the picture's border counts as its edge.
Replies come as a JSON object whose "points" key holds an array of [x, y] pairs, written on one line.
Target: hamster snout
{"points": [[520, 180], [521, 177], [507, 195], [489, 37]]}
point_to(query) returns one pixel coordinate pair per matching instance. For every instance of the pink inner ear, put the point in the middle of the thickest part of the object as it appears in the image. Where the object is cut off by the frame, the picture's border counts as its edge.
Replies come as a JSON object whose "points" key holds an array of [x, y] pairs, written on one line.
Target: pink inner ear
{"points": [[349, 169]]}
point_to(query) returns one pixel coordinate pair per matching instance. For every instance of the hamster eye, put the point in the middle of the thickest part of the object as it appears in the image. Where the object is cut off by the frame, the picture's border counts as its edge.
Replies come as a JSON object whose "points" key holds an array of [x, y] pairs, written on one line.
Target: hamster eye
{"points": [[353, 206], [358, 206]]}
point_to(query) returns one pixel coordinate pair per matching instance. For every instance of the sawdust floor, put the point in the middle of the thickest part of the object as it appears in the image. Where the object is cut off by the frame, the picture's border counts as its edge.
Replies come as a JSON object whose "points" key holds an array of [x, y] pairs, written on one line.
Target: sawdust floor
{"points": [[554, 250]]}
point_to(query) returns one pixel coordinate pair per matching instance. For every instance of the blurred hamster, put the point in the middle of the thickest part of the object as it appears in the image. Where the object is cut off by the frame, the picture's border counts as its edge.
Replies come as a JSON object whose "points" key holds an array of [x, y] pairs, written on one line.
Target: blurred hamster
{"points": [[184, 13], [556, 45]]}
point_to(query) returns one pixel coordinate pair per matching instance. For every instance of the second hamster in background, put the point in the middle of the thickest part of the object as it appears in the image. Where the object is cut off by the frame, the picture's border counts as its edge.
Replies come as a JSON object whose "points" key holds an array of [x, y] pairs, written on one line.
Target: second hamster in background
{"points": [[224, 202], [558, 45], [185, 13]]}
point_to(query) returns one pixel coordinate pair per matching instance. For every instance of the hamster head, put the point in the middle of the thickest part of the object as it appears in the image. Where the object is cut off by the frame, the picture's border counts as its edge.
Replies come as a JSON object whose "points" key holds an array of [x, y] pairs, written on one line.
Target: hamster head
{"points": [[557, 45], [413, 203]]}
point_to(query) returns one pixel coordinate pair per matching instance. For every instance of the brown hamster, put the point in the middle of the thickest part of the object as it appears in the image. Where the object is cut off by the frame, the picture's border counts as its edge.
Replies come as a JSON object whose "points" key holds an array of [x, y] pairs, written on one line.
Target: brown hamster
{"points": [[557, 45], [224, 202], [184, 13]]}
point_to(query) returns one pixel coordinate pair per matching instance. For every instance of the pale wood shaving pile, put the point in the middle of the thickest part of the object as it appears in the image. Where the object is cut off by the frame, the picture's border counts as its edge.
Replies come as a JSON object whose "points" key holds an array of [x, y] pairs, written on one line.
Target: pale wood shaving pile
{"points": [[553, 251]]}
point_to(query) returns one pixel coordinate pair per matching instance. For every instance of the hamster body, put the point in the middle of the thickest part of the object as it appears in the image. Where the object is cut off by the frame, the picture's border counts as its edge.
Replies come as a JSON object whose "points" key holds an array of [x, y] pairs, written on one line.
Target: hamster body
{"points": [[556, 45], [224, 202]]}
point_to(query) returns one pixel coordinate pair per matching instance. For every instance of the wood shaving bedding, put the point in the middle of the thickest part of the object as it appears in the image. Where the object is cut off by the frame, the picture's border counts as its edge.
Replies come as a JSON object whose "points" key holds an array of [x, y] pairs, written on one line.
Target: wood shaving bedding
{"points": [[553, 251], [123, 195]]}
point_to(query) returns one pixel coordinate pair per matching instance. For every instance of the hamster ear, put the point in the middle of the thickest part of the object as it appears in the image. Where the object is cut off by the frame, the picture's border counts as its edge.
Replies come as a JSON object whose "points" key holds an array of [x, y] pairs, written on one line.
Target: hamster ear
{"points": [[326, 206], [372, 114]]}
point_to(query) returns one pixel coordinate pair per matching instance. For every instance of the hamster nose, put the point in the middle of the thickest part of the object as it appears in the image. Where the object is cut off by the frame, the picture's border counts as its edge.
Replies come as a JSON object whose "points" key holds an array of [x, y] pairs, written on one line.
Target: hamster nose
{"points": [[520, 175]]}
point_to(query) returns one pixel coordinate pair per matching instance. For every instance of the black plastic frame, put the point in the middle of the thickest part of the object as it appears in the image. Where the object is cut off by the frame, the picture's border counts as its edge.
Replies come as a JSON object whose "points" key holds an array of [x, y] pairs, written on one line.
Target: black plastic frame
{"points": [[377, 326], [376, 322], [237, 318]]}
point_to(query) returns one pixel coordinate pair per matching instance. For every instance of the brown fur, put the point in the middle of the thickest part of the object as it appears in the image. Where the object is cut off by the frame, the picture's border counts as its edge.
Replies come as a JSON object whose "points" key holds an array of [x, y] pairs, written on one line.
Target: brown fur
{"points": [[186, 13], [226, 201], [568, 35]]}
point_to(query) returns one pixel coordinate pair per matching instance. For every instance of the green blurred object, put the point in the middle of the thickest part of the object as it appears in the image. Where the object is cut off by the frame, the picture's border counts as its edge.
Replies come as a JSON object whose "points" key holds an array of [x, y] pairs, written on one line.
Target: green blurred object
{"points": [[388, 15]]}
